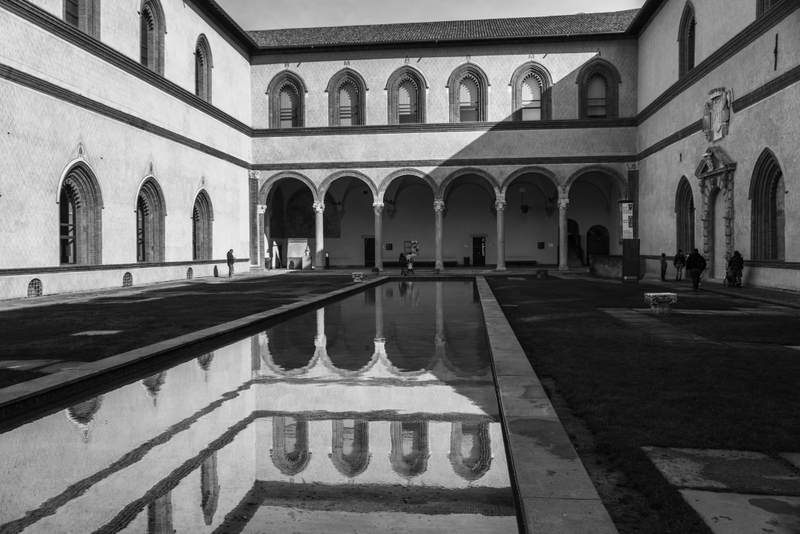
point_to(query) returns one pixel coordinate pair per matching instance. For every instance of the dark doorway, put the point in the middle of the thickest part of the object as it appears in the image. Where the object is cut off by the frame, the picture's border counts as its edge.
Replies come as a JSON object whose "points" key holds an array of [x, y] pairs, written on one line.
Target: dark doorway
{"points": [[597, 241], [479, 250], [369, 252], [574, 248]]}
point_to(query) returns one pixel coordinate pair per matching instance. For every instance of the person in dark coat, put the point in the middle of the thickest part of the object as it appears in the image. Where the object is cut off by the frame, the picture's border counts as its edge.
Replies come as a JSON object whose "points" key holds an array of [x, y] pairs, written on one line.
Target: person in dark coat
{"points": [[663, 267], [403, 264], [231, 259], [736, 266], [695, 265], [679, 262]]}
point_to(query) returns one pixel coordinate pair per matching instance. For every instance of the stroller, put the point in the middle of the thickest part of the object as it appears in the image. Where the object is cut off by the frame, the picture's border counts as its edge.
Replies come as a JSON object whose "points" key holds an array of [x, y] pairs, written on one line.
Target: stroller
{"points": [[733, 278]]}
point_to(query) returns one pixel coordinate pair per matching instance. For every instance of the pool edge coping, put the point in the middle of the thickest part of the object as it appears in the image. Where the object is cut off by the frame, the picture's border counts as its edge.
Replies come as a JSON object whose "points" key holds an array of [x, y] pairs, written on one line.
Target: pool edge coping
{"points": [[575, 506], [29, 390]]}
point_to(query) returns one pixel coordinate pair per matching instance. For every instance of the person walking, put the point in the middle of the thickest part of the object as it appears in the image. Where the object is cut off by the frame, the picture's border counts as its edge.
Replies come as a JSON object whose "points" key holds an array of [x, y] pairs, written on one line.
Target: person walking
{"points": [[695, 265], [679, 262], [231, 260], [663, 267], [736, 266], [402, 260]]}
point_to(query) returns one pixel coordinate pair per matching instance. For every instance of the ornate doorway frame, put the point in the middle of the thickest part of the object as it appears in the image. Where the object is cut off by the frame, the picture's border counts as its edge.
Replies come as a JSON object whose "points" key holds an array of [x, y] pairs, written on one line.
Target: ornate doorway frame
{"points": [[715, 173]]}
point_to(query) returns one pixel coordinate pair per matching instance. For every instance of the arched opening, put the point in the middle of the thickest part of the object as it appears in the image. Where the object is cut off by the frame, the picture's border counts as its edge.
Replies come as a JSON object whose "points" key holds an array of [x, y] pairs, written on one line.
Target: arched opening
{"points": [[469, 233], [531, 95], [289, 451], [84, 15], [350, 240], [290, 218], [350, 446], [406, 91], [347, 99], [152, 30], [80, 218], [531, 218], [684, 216], [409, 454], [202, 226], [686, 40], [407, 217], [768, 218], [350, 343], [594, 197], [290, 345], [597, 97], [598, 90], [203, 63], [286, 93], [597, 242], [470, 450], [469, 89], [150, 213]]}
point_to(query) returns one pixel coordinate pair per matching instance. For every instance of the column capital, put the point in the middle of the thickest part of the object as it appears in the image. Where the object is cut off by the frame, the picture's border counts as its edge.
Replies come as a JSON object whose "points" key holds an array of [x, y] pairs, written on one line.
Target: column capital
{"points": [[319, 206], [378, 207], [438, 205], [499, 205], [563, 203]]}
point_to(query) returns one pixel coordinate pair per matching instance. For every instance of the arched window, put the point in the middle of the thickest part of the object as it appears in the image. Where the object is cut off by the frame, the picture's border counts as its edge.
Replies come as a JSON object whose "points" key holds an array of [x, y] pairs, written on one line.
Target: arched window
{"points": [[203, 63], [80, 208], [686, 40], [598, 86], [153, 28], [684, 216], [150, 213], [530, 86], [84, 15], [346, 98], [406, 90], [469, 89], [762, 6], [286, 93], [767, 193], [202, 221]]}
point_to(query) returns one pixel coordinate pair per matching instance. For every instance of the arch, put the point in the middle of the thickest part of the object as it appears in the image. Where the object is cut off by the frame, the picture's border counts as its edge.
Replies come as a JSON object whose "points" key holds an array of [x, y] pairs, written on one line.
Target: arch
{"points": [[476, 74], [80, 216], [84, 15], [472, 171], [153, 27], [203, 63], [292, 115], [416, 112], [473, 466], [269, 183], [150, 213], [545, 82], [686, 40], [609, 73], [550, 175], [351, 81], [327, 182], [415, 435], [768, 221], [35, 288], [202, 227], [400, 173], [289, 451], [601, 169], [356, 462], [684, 216]]}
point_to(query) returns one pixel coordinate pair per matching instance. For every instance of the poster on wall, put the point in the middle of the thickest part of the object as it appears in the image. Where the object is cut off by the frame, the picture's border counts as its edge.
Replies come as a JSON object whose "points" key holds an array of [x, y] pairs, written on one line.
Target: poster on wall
{"points": [[626, 216]]}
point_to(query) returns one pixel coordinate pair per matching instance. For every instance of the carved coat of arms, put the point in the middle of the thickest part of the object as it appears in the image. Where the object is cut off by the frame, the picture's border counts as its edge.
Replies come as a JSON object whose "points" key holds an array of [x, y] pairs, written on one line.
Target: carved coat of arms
{"points": [[717, 113]]}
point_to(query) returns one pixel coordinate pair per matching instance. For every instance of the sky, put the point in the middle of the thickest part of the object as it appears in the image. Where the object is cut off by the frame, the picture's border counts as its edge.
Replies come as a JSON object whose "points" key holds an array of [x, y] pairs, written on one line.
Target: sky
{"points": [[269, 14]]}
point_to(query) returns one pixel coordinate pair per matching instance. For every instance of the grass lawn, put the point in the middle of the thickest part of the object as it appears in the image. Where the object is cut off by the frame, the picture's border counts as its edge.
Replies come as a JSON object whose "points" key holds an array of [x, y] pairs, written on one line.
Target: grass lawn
{"points": [[634, 387]]}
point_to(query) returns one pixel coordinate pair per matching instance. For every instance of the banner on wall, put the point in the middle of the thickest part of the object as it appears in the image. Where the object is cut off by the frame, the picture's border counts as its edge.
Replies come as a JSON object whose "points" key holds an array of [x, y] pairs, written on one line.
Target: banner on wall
{"points": [[626, 216]]}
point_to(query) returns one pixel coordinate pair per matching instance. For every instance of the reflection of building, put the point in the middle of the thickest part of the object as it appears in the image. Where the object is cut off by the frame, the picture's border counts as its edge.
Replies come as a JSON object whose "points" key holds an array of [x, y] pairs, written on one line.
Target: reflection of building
{"points": [[488, 142]]}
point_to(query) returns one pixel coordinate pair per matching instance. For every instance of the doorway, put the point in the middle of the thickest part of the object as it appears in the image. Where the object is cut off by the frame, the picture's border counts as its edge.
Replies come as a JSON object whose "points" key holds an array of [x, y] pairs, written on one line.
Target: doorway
{"points": [[369, 252], [479, 250], [574, 248], [597, 241]]}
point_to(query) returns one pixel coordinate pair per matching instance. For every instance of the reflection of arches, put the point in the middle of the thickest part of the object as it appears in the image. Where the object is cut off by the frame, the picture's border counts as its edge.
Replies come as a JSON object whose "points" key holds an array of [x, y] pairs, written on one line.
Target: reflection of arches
{"points": [[474, 437], [409, 454], [209, 488], [204, 361], [684, 216], [153, 384], [80, 217], [598, 242], [82, 414], [289, 451], [350, 446], [290, 345], [767, 209]]}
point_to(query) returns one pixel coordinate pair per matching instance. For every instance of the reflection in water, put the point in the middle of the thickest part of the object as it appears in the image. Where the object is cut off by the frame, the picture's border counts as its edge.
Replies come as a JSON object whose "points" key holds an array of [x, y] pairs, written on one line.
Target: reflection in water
{"points": [[470, 450], [159, 515], [409, 456], [350, 445], [83, 413], [209, 488], [205, 360], [289, 451], [153, 385]]}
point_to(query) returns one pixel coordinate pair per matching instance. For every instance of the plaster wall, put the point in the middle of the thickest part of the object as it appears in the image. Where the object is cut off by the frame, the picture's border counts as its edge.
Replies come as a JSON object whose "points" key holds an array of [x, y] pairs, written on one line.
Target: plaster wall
{"points": [[41, 146], [563, 61]]}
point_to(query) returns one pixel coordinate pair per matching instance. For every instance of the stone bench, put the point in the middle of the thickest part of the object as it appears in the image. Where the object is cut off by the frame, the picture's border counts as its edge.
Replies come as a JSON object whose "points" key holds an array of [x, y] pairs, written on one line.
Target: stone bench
{"points": [[358, 277], [541, 273], [661, 302]]}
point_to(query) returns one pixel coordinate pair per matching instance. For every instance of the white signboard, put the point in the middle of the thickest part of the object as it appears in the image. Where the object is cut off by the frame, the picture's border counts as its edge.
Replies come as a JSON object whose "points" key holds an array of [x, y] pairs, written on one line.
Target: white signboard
{"points": [[626, 214]]}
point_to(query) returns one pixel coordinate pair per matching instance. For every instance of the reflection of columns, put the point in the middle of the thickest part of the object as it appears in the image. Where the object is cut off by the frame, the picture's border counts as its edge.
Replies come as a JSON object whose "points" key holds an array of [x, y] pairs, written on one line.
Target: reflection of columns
{"points": [[563, 202], [379, 313], [319, 226], [500, 206], [159, 515], [438, 208], [439, 314], [378, 208], [320, 341], [209, 488]]}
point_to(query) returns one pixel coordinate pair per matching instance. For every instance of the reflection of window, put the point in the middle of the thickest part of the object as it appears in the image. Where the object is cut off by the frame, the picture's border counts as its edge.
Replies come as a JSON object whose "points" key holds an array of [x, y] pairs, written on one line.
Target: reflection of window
{"points": [[286, 94], [530, 86], [468, 94], [598, 86], [596, 97], [84, 15], [406, 91], [346, 99], [686, 40]]}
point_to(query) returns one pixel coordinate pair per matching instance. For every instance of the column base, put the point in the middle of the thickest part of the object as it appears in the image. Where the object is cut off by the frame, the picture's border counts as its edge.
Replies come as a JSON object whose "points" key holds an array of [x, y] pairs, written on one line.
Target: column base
{"points": [[500, 268], [563, 268]]}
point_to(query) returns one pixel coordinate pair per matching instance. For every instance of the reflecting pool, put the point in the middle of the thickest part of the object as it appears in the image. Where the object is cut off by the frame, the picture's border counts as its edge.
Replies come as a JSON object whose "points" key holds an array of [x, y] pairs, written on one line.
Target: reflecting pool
{"points": [[376, 413]]}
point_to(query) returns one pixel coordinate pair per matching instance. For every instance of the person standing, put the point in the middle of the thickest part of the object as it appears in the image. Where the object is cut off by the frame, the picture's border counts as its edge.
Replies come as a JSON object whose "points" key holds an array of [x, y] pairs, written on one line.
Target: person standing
{"points": [[403, 266], [679, 262], [663, 267], [695, 265], [736, 266], [231, 260]]}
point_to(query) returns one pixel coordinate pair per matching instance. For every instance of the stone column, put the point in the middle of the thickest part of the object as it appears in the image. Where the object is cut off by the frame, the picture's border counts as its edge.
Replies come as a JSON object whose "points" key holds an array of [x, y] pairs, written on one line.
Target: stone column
{"points": [[261, 209], [438, 208], [500, 206], [378, 209], [254, 235], [319, 227], [563, 202], [266, 238]]}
